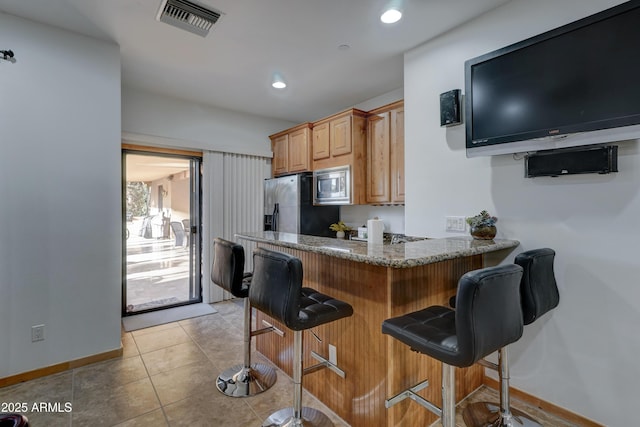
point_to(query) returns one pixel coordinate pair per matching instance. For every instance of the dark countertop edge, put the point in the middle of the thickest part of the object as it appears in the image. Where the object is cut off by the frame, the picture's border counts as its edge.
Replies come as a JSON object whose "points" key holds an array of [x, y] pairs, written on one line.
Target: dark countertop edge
{"points": [[499, 244]]}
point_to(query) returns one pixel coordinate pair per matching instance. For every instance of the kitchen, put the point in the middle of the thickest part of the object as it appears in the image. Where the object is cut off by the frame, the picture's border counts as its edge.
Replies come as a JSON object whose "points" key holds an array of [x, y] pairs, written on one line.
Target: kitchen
{"points": [[556, 360]]}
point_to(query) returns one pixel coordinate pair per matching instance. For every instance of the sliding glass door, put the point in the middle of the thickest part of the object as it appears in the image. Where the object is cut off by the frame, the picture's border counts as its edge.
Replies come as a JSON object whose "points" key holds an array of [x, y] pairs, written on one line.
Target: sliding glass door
{"points": [[161, 224]]}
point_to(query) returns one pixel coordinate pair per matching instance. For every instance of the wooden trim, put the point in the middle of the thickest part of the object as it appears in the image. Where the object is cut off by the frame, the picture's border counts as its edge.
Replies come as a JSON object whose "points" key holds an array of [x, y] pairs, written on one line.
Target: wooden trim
{"points": [[385, 108], [291, 129], [348, 112], [543, 405], [60, 367], [159, 150]]}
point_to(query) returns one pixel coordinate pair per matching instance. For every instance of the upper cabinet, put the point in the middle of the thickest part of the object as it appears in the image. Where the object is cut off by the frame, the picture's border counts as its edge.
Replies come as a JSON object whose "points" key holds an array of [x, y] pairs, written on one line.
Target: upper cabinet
{"points": [[385, 155], [340, 140], [291, 150], [372, 144]]}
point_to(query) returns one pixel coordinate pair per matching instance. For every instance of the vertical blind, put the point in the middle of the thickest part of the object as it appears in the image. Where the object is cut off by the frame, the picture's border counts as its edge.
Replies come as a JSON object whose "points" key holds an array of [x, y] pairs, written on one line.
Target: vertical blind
{"points": [[233, 201]]}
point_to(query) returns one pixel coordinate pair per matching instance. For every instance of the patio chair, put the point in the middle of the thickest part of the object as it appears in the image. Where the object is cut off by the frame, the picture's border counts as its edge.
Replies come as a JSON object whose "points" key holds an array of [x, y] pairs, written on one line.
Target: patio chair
{"points": [[178, 231]]}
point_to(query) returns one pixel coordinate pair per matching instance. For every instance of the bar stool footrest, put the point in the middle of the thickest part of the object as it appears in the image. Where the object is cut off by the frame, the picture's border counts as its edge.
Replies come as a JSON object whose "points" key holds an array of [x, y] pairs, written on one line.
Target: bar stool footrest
{"points": [[412, 393]]}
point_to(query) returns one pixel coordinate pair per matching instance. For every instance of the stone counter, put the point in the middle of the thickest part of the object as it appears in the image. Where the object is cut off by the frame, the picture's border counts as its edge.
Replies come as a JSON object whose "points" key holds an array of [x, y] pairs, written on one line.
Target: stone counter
{"points": [[402, 255]]}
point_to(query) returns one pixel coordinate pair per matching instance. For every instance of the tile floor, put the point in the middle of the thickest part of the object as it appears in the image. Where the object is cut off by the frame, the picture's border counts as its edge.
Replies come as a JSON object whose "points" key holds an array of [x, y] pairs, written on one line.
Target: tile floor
{"points": [[166, 377]]}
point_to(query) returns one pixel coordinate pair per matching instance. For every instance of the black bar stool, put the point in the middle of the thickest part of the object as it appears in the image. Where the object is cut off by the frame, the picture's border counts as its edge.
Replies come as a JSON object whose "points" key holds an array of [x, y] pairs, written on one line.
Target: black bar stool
{"points": [[276, 290], [228, 273], [539, 294], [13, 420], [488, 317]]}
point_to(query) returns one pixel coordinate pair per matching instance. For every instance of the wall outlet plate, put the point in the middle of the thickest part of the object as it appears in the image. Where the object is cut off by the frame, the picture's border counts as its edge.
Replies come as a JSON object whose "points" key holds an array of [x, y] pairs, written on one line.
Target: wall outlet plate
{"points": [[456, 224], [37, 333], [333, 354]]}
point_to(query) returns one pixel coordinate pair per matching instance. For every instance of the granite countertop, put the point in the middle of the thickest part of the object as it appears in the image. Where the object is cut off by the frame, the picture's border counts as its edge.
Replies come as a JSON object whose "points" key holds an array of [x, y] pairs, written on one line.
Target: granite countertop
{"points": [[403, 255]]}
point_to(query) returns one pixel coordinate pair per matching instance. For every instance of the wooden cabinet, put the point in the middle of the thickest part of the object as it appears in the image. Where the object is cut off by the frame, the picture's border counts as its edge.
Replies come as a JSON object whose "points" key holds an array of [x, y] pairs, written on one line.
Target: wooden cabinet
{"points": [[334, 137], [291, 150], [321, 141], [385, 155], [340, 140], [372, 144], [280, 148]]}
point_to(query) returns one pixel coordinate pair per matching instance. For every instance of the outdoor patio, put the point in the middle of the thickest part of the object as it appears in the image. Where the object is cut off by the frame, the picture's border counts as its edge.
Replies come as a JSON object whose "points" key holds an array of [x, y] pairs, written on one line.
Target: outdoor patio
{"points": [[157, 271]]}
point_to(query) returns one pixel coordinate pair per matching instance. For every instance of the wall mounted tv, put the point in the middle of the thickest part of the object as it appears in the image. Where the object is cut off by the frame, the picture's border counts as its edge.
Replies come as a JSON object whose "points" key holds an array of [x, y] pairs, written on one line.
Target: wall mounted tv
{"points": [[576, 85]]}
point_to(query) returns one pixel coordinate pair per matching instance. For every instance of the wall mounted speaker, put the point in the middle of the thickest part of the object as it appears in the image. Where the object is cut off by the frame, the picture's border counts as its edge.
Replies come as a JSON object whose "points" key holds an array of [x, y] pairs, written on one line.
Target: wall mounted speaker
{"points": [[572, 161], [450, 108]]}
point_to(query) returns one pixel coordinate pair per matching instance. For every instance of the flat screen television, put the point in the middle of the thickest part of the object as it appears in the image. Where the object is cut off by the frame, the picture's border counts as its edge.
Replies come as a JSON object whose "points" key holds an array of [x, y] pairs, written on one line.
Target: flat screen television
{"points": [[575, 85]]}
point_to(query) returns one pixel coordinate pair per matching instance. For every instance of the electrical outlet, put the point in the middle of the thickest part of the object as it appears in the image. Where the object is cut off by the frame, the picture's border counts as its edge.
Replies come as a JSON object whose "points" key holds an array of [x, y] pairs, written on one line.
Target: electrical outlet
{"points": [[456, 224], [37, 333], [333, 354]]}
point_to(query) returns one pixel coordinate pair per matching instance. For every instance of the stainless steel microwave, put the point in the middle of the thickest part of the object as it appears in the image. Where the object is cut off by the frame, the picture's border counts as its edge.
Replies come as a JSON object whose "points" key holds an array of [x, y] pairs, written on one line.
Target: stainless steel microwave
{"points": [[332, 186]]}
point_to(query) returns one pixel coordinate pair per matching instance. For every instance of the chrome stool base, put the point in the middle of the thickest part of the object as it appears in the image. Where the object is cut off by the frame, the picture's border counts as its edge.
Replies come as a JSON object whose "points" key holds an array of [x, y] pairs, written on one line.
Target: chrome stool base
{"points": [[239, 381], [310, 418], [487, 414]]}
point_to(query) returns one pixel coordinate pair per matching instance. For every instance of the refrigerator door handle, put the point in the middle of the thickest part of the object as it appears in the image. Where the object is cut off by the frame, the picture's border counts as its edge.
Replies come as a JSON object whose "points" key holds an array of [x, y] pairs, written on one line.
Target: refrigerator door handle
{"points": [[274, 217]]}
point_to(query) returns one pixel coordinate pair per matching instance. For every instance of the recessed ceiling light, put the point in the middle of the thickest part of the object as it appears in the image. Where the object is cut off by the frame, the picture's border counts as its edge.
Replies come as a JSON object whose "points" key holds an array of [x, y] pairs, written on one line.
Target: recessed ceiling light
{"points": [[391, 16], [278, 82]]}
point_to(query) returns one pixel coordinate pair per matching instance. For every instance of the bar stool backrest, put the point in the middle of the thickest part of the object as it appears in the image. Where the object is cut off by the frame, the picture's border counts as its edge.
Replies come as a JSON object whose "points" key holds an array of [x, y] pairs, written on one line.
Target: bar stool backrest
{"points": [[276, 286], [538, 289], [487, 315], [228, 267]]}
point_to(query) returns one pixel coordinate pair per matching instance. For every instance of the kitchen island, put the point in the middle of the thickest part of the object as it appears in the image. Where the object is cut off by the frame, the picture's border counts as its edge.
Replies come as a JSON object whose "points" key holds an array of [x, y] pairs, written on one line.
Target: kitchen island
{"points": [[379, 281]]}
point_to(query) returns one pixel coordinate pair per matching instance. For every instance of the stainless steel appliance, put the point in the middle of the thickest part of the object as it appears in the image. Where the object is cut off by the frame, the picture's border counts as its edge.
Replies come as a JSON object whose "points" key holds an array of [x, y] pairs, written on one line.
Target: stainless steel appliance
{"points": [[332, 186], [288, 207]]}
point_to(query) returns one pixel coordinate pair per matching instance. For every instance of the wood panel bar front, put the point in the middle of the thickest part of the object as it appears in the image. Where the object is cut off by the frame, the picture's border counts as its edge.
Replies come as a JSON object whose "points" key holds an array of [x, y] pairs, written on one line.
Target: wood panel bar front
{"points": [[376, 365]]}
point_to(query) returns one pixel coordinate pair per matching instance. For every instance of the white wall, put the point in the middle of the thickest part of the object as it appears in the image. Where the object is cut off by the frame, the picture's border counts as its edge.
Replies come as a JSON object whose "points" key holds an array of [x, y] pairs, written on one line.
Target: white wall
{"points": [[357, 216], [182, 124], [583, 355], [60, 240]]}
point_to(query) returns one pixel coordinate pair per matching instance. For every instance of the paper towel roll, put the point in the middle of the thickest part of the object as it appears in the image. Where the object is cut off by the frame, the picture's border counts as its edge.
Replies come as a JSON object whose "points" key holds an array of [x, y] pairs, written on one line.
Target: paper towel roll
{"points": [[375, 229]]}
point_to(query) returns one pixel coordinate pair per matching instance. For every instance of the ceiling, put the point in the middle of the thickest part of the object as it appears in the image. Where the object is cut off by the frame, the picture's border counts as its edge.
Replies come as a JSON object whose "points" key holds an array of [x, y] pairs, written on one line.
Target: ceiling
{"points": [[233, 66], [147, 167]]}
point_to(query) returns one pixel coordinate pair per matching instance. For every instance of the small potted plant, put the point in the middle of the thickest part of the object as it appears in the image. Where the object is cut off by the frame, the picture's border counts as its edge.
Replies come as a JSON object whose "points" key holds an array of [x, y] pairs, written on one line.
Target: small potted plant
{"points": [[339, 227], [482, 226]]}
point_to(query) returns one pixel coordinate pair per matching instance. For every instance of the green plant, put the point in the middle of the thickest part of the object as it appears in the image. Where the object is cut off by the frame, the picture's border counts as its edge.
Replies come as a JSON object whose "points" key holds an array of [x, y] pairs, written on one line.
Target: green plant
{"points": [[482, 220], [339, 226]]}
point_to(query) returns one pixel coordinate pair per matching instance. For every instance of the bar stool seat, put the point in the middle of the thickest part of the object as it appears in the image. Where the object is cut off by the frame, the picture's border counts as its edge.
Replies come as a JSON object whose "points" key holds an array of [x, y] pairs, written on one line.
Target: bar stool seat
{"points": [[488, 317], [246, 379], [277, 291]]}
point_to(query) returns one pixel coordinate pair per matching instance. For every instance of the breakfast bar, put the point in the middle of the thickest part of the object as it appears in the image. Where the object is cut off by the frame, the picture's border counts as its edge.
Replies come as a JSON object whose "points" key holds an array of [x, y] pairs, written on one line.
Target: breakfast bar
{"points": [[379, 281]]}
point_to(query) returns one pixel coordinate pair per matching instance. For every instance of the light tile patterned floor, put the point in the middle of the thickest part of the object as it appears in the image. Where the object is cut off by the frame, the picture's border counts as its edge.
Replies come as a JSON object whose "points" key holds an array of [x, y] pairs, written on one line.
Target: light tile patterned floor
{"points": [[166, 377]]}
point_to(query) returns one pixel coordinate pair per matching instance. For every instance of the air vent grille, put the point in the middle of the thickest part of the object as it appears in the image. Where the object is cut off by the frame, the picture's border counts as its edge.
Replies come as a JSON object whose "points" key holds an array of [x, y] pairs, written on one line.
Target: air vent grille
{"points": [[187, 16]]}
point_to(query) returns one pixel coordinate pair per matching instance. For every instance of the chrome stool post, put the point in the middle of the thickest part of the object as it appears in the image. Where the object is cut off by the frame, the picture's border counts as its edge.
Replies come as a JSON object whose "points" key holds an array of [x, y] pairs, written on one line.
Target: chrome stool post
{"points": [[244, 379]]}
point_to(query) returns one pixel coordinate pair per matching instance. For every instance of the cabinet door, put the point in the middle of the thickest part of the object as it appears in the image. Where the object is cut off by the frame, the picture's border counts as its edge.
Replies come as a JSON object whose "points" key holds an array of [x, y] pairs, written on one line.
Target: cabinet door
{"points": [[280, 154], [321, 141], [340, 136], [378, 158], [397, 155], [299, 150]]}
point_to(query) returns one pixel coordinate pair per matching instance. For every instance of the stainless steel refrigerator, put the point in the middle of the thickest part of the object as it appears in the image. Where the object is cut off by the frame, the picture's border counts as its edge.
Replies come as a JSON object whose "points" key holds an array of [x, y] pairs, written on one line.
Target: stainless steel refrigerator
{"points": [[288, 207]]}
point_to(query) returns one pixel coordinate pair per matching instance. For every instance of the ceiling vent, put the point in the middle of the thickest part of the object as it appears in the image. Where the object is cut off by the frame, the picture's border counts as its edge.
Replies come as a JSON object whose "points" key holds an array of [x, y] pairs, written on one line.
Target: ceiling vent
{"points": [[188, 16]]}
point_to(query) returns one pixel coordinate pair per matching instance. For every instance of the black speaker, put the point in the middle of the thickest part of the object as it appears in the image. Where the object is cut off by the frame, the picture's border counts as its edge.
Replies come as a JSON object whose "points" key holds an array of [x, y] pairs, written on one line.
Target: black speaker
{"points": [[572, 161], [450, 108]]}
